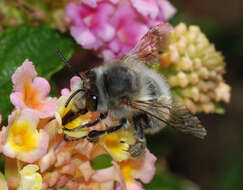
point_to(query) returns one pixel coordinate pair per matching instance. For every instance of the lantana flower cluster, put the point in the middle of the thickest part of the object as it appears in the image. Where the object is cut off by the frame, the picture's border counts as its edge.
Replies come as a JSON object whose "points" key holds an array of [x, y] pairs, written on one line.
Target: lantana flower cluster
{"points": [[111, 27], [40, 155], [194, 70]]}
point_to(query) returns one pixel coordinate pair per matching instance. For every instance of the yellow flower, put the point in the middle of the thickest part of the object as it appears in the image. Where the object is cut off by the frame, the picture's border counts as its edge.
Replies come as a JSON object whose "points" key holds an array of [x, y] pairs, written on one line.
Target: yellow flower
{"points": [[30, 179], [118, 144], [132, 169], [22, 139], [62, 111]]}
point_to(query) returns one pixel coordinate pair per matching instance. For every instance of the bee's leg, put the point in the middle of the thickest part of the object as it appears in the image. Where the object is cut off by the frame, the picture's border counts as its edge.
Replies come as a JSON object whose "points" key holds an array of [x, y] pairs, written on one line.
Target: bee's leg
{"points": [[90, 124], [137, 120], [95, 134], [139, 147], [72, 140], [70, 116]]}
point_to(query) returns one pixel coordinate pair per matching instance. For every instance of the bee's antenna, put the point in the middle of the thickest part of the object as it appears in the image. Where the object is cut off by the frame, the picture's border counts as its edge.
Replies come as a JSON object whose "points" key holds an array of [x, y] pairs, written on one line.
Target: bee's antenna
{"points": [[67, 63]]}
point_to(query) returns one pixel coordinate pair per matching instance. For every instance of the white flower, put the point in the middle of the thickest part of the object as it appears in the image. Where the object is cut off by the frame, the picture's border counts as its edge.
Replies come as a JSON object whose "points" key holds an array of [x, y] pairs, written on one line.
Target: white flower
{"points": [[30, 179]]}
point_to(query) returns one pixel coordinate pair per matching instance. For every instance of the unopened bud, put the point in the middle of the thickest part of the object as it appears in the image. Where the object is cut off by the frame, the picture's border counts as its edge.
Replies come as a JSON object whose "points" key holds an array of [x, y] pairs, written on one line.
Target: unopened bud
{"points": [[203, 73], [193, 78], [208, 107], [204, 98], [197, 63], [182, 79], [185, 64], [223, 92], [180, 29], [174, 54]]}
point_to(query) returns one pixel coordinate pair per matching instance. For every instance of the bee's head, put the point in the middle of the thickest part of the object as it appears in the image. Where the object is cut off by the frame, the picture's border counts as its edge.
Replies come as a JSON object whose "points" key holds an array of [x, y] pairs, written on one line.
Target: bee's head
{"points": [[108, 86]]}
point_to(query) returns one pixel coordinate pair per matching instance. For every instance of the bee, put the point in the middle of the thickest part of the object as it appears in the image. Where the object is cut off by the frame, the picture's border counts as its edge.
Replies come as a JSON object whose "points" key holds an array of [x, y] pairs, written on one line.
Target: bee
{"points": [[130, 92]]}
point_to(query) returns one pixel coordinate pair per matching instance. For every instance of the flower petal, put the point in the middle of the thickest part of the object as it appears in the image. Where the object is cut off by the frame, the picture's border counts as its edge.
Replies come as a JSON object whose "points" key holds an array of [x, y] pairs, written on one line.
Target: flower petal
{"points": [[118, 144], [41, 83], [2, 137], [31, 91], [146, 7], [23, 141], [47, 160], [91, 3], [86, 169], [23, 74], [167, 9], [75, 83], [107, 174], [147, 167]]}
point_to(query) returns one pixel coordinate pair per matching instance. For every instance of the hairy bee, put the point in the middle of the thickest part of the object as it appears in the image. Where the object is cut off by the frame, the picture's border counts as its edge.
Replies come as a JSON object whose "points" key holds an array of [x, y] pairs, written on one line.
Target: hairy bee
{"points": [[130, 92]]}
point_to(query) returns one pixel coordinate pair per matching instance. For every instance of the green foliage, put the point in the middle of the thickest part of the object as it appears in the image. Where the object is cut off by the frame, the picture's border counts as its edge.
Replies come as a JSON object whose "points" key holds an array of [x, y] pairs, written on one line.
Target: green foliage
{"points": [[38, 44], [2, 162], [219, 109], [165, 181], [232, 175], [101, 162]]}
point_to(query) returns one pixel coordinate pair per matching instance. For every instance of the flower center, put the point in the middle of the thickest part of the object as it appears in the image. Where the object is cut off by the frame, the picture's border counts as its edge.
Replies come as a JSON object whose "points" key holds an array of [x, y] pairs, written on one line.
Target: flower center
{"points": [[31, 97], [127, 170], [19, 140], [22, 136]]}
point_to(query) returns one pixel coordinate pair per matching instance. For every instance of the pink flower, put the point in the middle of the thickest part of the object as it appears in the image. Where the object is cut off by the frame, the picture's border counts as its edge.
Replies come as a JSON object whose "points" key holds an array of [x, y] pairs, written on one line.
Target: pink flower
{"points": [[91, 27], [75, 83], [68, 164], [73, 170], [142, 169], [158, 10], [112, 28], [2, 136], [93, 3], [31, 91], [22, 139]]}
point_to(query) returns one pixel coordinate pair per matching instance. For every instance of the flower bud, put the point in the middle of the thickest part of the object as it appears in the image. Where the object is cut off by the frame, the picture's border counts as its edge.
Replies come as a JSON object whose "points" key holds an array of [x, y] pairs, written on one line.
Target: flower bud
{"points": [[194, 69]]}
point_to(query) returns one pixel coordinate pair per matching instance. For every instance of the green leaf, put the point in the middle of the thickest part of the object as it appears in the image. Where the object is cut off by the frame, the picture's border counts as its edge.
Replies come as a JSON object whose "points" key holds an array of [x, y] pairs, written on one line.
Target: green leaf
{"points": [[2, 162], [166, 181], [38, 44], [101, 162], [219, 109], [231, 177]]}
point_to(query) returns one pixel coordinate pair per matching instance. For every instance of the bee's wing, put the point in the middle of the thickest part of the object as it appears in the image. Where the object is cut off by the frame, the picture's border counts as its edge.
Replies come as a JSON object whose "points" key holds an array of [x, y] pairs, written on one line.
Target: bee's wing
{"points": [[156, 40], [174, 115]]}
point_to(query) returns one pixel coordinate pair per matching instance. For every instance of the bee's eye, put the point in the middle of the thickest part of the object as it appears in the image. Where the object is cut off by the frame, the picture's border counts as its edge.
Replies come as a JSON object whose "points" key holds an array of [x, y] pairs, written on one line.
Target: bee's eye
{"points": [[91, 103]]}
